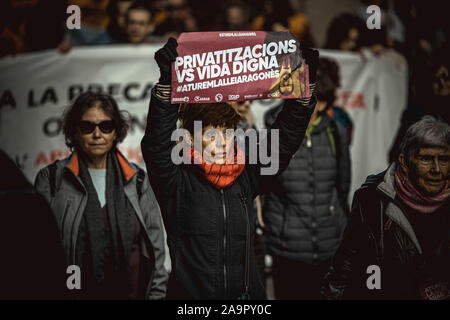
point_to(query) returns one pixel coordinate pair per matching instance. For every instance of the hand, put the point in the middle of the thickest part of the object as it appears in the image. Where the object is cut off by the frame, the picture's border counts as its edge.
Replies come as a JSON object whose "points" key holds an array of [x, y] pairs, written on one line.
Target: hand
{"points": [[311, 58], [164, 58]]}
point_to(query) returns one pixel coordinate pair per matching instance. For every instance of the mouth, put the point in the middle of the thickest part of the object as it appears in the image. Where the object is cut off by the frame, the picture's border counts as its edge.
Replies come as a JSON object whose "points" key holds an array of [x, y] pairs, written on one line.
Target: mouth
{"points": [[434, 182]]}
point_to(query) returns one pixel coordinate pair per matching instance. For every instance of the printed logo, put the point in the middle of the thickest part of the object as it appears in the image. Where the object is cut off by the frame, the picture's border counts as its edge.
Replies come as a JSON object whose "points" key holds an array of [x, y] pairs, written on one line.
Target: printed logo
{"points": [[219, 97], [197, 99], [184, 99], [276, 94]]}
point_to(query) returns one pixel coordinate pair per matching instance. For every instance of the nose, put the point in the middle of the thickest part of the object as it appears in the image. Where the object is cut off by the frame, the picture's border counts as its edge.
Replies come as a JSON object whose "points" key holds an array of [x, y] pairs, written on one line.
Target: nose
{"points": [[436, 168], [222, 142], [96, 133]]}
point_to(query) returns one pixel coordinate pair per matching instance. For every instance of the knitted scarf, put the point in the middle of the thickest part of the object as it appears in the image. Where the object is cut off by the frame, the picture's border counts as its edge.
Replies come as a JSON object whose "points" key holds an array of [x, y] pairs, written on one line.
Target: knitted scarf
{"points": [[220, 175], [414, 199], [115, 240]]}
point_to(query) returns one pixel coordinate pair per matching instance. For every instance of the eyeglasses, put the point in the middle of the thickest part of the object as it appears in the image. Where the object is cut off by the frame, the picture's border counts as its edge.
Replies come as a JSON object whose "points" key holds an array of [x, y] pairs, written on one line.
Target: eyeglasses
{"points": [[87, 127]]}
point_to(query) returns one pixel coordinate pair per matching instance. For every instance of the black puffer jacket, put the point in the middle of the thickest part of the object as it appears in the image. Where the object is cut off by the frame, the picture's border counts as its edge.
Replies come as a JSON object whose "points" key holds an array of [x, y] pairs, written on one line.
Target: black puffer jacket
{"points": [[305, 213], [207, 227], [380, 232]]}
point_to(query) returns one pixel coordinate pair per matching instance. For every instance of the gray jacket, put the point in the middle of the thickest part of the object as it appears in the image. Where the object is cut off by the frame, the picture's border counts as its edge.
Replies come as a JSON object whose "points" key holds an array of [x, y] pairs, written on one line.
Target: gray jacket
{"points": [[305, 214], [69, 203]]}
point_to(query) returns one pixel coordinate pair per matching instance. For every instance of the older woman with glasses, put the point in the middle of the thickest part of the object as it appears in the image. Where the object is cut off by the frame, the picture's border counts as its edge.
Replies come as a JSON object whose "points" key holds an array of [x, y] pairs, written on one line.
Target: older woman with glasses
{"points": [[108, 217]]}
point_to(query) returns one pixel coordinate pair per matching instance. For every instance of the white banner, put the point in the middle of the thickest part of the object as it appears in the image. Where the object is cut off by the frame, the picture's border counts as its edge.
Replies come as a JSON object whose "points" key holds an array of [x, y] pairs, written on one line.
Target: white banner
{"points": [[36, 88]]}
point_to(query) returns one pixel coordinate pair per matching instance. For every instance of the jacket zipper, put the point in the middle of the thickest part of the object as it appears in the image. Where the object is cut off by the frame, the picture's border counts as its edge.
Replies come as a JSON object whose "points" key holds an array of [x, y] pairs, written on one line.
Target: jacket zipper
{"points": [[247, 246], [225, 280]]}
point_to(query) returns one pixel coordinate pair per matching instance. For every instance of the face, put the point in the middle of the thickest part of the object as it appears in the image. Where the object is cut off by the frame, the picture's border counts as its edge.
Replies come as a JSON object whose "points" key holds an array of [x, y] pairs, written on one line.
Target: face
{"points": [[122, 8], [235, 16], [241, 107], [216, 144], [349, 44], [97, 144], [441, 86], [138, 26], [429, 170]]}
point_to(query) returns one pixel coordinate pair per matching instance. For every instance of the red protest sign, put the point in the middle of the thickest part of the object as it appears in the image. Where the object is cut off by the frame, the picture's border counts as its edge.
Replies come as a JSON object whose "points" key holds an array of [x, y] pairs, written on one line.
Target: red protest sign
{"points": [[235, 66]]}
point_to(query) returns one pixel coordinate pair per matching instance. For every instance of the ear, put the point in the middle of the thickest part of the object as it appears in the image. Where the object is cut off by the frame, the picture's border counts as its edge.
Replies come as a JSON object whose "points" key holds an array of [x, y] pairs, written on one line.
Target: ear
{"points": [[402, 162]]}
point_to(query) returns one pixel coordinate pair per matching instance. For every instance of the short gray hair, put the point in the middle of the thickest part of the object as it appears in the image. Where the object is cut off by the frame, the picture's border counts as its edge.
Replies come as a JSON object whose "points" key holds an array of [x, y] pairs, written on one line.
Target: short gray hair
{"points": [[426, 133]]}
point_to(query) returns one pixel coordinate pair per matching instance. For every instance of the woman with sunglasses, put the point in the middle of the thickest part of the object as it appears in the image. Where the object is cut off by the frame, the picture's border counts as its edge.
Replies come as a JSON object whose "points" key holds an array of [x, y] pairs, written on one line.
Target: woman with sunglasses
{"points": [[108, 217]]}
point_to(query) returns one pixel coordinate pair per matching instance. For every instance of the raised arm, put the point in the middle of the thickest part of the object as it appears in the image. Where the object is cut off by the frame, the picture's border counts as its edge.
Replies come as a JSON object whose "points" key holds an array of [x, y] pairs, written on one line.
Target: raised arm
{"points": [[162, 117], [291, 124]]}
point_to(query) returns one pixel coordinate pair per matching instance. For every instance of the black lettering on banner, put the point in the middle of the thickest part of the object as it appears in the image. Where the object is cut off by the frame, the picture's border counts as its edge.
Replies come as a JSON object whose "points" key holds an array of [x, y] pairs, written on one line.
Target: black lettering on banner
{"points": [[74, 91], [52, 126], [113, 89], [147, 91], [96, 88], [134, 121], [126, 93], [49, 95], [7, 99]]}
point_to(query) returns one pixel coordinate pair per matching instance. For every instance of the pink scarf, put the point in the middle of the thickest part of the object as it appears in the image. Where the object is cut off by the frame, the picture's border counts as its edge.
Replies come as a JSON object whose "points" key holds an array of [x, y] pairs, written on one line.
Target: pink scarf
{"points": [[414, 199]]}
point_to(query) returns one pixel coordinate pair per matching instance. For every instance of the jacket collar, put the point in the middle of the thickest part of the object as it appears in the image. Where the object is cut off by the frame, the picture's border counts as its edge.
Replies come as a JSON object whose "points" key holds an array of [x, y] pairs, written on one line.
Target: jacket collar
{"points": [[392, 210], [127, 170]]}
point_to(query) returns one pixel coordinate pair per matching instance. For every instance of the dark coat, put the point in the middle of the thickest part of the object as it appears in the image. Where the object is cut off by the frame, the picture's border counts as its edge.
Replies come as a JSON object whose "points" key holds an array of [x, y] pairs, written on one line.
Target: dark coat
{"points": [[305, 213], [207, 227], [32, 265], [380, 233]]}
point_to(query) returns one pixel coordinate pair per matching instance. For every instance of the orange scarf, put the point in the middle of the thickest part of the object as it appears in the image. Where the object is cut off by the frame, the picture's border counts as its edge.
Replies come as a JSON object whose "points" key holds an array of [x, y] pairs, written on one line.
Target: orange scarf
{"points": [[220, 175]]}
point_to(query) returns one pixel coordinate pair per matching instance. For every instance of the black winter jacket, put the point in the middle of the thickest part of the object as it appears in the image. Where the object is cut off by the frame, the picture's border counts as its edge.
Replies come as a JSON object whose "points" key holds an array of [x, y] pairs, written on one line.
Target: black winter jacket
{"points": [[305, 213], [207, 228], [380, 234]]}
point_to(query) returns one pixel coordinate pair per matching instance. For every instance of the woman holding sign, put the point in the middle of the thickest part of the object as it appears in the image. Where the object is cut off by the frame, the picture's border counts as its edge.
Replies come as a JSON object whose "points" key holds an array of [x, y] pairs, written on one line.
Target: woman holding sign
{"points": [[207, 202]]}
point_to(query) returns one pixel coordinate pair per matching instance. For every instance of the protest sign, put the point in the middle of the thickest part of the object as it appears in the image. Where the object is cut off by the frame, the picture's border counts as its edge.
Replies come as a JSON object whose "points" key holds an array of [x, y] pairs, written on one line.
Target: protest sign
{"points": [[235, 66]]}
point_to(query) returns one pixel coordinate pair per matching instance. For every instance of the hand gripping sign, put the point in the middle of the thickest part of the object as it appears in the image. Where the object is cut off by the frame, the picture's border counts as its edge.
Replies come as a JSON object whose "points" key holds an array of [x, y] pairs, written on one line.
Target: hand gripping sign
{"points": [[235, 66]]}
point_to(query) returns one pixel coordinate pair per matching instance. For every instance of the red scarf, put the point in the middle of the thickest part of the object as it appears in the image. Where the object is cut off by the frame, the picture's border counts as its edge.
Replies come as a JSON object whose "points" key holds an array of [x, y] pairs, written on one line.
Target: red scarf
{"points": [[220, 175], [414, 199]]}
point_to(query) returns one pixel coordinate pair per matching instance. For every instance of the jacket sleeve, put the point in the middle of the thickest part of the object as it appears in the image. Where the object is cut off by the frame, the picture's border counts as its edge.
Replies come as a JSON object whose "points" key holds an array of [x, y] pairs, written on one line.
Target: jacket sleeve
{"points": [[291, 123], [157, 146], [347, 276], [154, 225], [42, 184]]}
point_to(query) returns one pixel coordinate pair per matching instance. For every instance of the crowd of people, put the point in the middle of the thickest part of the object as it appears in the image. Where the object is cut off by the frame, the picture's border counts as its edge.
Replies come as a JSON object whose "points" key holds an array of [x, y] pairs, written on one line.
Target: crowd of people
{"points": [[220, 219]]}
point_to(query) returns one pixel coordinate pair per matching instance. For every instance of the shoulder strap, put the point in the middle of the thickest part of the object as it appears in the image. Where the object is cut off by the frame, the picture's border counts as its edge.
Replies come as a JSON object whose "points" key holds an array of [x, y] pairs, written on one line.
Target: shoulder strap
{"points": [[139, 182], [336, 139], [52, 178]]}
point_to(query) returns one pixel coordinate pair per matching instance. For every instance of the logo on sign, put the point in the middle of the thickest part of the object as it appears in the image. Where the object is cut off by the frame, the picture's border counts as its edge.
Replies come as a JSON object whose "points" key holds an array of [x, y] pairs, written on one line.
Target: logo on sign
{"points": [[233, 97], [184, 99], [197, 99], [219, 97], [286, 84], [276, 94]]}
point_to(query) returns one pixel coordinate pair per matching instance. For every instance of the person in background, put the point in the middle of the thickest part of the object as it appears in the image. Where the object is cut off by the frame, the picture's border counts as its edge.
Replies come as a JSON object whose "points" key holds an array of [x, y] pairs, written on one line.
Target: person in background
{"points": [[400, 225], [174, 19], [331, 68], [235, 17], [306, 210], [33, 265], [344, 33], [108, 217], [115, 32], [138, 24], [431, 96]]}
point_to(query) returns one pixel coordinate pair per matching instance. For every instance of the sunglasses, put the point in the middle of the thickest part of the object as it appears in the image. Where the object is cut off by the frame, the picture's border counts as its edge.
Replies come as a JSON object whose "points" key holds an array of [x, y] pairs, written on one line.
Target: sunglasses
{"points": [[87, 127]]}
